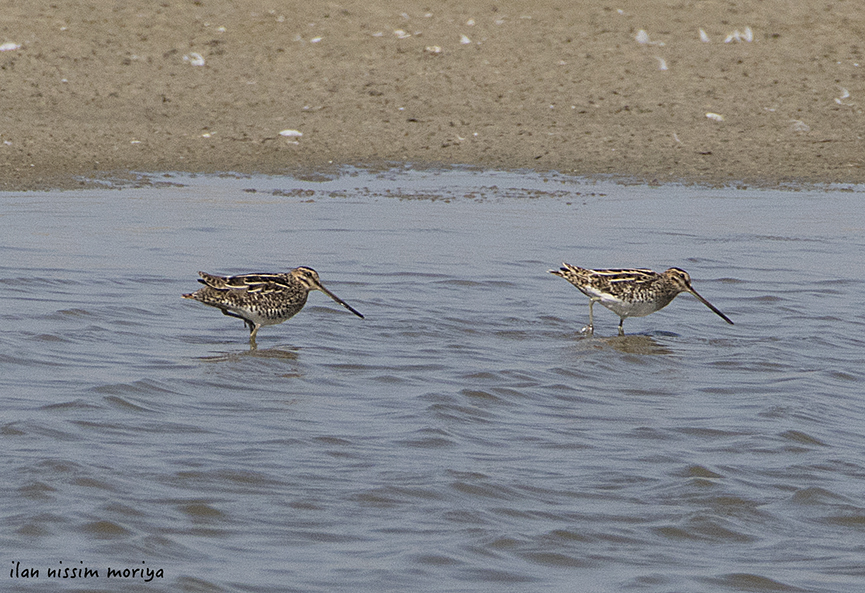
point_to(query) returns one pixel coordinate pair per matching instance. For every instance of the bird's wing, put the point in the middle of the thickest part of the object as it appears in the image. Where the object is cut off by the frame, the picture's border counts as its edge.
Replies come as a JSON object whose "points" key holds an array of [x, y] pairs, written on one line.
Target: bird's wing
{"points": [[248, 283]]}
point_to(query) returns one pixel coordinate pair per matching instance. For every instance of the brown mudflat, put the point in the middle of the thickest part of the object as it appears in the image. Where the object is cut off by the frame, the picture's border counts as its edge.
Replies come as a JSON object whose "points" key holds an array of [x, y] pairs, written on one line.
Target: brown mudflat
{"points": [[101, 89]]}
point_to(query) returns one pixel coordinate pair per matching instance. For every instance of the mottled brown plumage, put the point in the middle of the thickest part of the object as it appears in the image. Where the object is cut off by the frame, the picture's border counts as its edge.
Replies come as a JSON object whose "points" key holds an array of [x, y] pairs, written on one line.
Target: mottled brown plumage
{"points": [[630, 292], [261, 299]]}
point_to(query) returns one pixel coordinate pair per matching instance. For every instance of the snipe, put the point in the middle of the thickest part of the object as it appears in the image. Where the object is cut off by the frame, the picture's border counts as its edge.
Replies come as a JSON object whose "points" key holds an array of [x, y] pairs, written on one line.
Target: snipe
{"points": [[630, 292], [262, 299]]}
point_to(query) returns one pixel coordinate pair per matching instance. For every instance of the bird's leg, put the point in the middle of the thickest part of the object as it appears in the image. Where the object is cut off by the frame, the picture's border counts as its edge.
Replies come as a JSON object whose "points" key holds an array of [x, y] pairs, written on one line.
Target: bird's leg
{"points": [[246, 321], [232, 314], [621, 329], [253, 331], [589, 330]]}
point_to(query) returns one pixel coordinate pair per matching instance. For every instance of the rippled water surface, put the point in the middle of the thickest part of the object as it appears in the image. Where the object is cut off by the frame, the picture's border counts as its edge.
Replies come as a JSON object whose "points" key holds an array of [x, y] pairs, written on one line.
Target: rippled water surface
{"points": [[465, 436]]}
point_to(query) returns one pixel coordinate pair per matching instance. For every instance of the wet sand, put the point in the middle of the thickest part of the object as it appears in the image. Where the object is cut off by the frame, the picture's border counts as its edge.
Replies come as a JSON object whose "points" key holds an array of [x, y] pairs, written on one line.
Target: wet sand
{"points": [[98, 90]]}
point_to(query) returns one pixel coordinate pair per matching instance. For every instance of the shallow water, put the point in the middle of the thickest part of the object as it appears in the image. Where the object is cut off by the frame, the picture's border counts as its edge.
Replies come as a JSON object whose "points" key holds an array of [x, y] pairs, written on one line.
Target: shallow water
{"points": [[464, 436]]}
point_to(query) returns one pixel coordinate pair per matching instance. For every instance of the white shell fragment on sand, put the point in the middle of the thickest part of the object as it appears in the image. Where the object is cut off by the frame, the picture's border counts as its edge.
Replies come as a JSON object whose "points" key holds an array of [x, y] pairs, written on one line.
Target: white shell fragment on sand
{"points": [[9, 46], [291, 136], [736, 36], [799, 126], [400, 34], [194, 59], [844, 95], [715, 116], [662, 63], [703, 37], [643, 39], [465, 40], [432, 49]]}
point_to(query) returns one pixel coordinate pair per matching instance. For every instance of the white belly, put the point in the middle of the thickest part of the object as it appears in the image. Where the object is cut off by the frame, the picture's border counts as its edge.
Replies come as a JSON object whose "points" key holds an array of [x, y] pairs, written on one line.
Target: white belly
{"points": [[630, 309]]}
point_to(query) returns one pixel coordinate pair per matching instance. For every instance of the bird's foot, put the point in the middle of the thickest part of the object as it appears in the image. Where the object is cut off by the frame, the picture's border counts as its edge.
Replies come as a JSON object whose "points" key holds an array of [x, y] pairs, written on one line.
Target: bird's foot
{"points": [[589, 330]]}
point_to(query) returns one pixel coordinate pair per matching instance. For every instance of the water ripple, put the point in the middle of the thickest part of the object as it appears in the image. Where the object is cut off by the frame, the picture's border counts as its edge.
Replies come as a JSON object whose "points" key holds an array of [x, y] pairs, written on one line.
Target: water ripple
{"points": [[464, 435]]}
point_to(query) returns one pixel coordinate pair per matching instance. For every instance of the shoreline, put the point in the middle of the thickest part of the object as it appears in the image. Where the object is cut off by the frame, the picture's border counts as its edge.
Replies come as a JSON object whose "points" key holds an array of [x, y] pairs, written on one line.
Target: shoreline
{"points": [[207, 87], [127, 179]]}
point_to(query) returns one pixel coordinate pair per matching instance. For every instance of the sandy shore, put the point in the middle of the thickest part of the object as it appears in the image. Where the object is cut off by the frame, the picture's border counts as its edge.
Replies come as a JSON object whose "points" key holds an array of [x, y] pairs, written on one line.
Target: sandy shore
{"points": [[103, 88]]}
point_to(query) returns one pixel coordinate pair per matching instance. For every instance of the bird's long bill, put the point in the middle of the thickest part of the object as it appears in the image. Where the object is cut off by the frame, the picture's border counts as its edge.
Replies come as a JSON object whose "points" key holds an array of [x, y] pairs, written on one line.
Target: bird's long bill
{"points": [[711, 306], [339, 300]]}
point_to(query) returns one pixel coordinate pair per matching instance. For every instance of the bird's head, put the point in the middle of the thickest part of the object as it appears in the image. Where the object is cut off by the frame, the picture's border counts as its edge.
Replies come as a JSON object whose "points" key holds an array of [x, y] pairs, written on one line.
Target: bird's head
{"points": [[680, 279], [308, 277]]}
